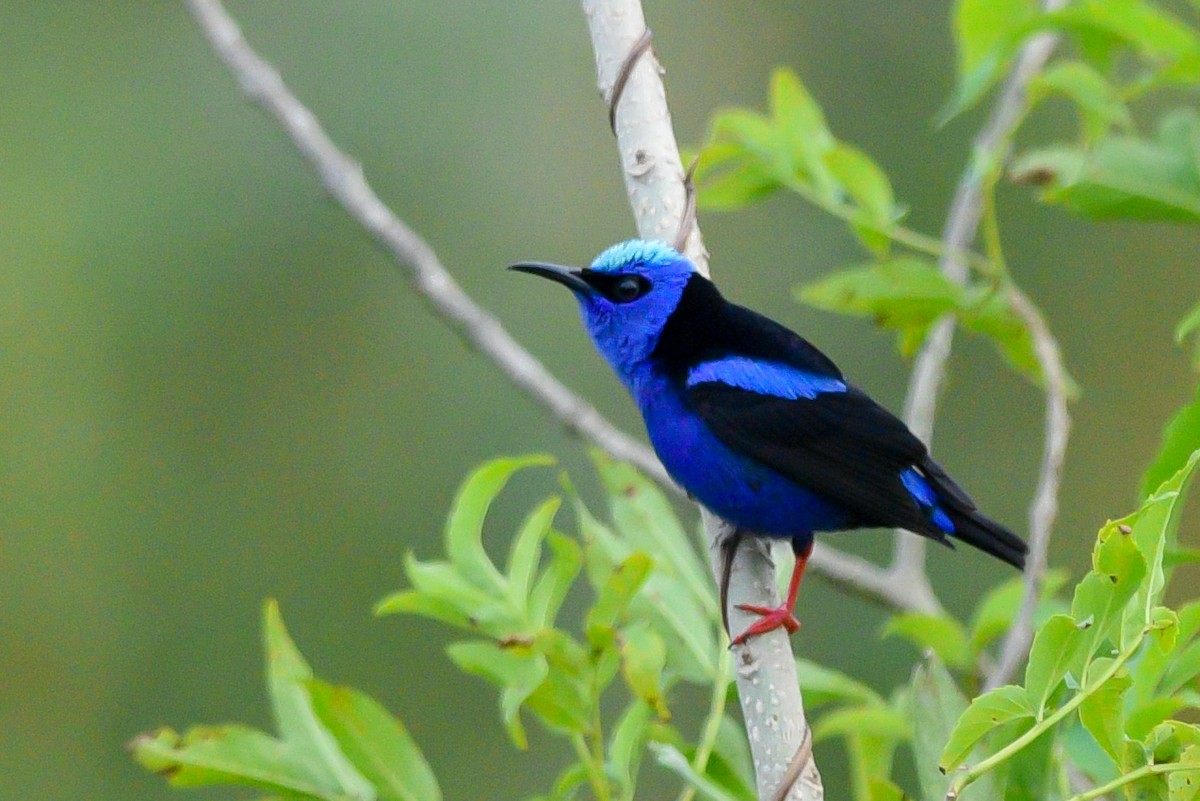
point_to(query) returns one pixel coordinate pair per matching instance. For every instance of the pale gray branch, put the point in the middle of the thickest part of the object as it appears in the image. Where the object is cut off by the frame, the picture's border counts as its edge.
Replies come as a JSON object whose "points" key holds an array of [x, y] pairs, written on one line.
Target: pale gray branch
{"points": [[1044, 508], [962, 223], [772, 707]]}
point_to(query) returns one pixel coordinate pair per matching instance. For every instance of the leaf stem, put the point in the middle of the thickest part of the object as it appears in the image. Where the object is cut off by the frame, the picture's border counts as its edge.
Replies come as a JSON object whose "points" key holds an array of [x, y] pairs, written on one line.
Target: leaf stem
{"points": [[914, 240], [1133, 776], [595, 769], [1046, 723], [712, 722]]}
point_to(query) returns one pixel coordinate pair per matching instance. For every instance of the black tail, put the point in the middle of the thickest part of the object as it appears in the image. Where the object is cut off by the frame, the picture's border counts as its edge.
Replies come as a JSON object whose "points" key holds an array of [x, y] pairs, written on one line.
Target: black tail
{"points": [[970, 525]]}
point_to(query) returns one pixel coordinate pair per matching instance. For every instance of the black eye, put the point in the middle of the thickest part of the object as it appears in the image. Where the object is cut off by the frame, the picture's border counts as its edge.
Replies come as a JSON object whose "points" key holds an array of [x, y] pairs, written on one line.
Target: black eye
{"points": [[629, 288]]}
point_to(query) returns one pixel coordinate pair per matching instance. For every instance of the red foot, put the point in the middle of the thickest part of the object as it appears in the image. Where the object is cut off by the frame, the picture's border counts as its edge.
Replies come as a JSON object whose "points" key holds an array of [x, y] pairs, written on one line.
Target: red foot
{"points": [[772, 618]]}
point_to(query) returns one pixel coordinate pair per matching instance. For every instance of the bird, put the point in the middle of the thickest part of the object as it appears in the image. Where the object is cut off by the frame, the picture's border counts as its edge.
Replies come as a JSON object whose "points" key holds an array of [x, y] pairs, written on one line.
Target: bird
{"points": [[756, 423]]}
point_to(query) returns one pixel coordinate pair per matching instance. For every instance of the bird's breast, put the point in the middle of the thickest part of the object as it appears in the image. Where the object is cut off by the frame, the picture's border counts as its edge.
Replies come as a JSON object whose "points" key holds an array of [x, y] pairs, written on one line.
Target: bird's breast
{"points": [[735, 487]]}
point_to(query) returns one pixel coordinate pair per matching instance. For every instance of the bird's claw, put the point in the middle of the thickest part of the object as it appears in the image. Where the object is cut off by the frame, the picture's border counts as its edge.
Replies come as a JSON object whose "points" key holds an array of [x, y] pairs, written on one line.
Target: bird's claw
{"points": [[772, 617]]}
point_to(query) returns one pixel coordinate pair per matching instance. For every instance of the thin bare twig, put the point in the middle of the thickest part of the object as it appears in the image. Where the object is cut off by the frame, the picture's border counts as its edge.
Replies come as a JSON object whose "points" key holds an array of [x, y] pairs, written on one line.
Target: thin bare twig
{"points": [[1044, 508], [962, 224]]}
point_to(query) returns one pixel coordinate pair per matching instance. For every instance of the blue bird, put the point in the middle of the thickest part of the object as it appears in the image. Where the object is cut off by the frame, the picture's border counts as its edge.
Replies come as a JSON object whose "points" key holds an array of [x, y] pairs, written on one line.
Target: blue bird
{"points": [[756, 423]]}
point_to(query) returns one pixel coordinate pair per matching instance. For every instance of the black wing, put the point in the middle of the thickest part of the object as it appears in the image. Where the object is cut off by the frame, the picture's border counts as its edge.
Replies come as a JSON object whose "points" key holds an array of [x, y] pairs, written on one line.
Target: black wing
{"points": [[841, 445]]}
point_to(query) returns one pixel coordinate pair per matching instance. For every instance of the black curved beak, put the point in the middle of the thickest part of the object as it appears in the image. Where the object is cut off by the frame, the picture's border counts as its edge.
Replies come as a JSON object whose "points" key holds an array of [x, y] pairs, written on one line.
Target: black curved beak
{"points": [[566, 276]]}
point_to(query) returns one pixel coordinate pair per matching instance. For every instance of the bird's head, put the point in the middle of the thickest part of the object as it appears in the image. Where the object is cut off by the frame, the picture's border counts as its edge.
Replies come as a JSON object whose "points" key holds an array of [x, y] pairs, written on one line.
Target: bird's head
{"points": [[626, 295]]}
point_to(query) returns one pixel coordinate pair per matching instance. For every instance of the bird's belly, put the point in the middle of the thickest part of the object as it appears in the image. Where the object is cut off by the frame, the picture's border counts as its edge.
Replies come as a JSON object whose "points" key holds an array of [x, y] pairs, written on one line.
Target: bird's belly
{"points": [[736, 488]]}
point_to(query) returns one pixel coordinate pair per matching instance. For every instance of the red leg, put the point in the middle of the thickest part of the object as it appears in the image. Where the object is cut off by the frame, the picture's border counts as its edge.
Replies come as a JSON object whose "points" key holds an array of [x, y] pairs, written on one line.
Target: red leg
{"points": [[781, 616]]}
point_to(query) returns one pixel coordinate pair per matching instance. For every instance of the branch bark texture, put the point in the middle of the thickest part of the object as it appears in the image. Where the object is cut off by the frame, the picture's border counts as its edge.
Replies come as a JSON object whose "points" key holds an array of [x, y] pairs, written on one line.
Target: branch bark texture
{"points": [[772, 707]]}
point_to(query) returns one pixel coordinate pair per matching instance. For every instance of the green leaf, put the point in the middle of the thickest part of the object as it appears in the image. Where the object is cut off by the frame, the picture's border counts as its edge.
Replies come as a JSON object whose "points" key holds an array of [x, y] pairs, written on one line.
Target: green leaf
{"points": [[936, 707], [1123, 177], [208, 755], [1189, 325], [614, 597], [940, 633], [299, 725], [566, 559], [870, 720], [1057, 647], [526, 548], [1000, 605], [518, 673], [1154, 531], [673, 760], [987, 34], [678, 598], [1099, 103], [729, 176], [1118, 569], [1184, 785], [625, 745], [464, 527], [643, 658], [1164, 628], [1182, 670], [1151, 31], [906, 294], [375, 742], [412, 602], [1102, 713], [986, 713], [1180, 439], [824, 685], [863, 180], [803, 135]]}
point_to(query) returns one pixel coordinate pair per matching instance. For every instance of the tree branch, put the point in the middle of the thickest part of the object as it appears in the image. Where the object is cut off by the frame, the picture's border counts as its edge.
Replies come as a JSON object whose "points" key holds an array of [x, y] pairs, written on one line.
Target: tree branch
{"points": [[772, 707], [342, 177], [962, 224]]}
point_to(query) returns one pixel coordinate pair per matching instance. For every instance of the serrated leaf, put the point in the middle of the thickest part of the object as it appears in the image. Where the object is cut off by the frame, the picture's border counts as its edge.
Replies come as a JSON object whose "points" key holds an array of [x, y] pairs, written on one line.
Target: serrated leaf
{"points": [[464, 526], [1154, 531], [986, 713], [1103, 595], [1057, 647], [299, 725], [1102, 713], [940, 633], [375, 742], [208, 755]]}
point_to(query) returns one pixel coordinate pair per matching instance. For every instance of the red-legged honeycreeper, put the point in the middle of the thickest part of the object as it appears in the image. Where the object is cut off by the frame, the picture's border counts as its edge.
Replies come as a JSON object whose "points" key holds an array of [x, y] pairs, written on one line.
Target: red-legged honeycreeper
{"points": [[756, 423]]}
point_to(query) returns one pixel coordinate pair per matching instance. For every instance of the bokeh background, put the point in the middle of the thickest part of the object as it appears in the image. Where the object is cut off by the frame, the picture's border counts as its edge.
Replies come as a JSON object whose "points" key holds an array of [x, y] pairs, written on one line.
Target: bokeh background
{"points": [[215, 389]]}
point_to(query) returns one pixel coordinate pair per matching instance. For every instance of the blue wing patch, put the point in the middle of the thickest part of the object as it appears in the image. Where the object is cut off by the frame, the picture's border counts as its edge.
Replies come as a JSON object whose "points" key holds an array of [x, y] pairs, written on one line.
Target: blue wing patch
{"points": [[765, 378], [919, 488]]}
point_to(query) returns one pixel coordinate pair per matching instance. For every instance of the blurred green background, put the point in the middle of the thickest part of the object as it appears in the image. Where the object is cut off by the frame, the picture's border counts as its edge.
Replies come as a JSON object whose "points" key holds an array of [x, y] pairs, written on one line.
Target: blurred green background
{"points": [[214, 388]]}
